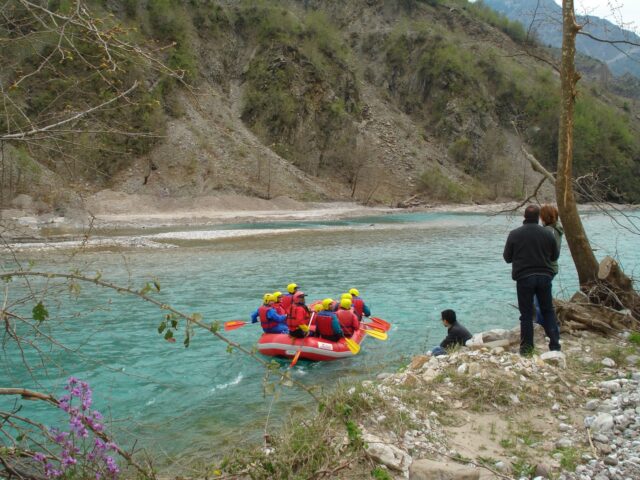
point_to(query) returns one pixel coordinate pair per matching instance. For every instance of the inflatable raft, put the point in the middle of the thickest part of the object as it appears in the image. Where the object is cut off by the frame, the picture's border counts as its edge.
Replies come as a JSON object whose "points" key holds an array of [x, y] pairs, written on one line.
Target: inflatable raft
{"points": [[313, 348]]}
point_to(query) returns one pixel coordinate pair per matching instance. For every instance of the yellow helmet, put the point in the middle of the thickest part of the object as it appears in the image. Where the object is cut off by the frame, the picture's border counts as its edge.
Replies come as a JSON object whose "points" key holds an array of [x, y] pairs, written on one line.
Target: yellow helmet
{"points": [[345, 303], [265, 298], [271, 298], [292, 287], [326, 303], [354, 292], [346, 295], [317, 307], [276, 296]]}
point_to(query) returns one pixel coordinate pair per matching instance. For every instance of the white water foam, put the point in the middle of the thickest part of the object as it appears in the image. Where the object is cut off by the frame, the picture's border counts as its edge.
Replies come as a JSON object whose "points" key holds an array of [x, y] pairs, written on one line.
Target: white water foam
{"points": [[233, 382]]}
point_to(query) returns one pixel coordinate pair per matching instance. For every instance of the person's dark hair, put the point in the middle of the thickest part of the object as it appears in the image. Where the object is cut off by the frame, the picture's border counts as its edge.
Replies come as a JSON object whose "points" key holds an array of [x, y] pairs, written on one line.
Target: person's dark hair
{"points": [[449, 315], [532, 213]]}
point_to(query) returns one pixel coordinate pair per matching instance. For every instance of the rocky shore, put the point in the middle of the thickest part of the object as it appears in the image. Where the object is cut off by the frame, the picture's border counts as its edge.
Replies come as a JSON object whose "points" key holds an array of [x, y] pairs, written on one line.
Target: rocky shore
{"points": [[484, 412]]}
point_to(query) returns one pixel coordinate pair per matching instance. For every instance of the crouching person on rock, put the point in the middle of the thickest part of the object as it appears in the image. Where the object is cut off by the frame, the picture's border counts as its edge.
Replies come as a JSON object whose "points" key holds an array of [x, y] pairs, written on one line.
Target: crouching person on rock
{"points": [[457, 334]]}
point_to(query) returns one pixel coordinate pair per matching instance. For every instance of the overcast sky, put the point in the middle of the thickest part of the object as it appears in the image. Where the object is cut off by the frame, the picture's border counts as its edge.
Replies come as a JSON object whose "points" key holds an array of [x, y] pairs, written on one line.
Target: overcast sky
{"points": [[625, 13]]}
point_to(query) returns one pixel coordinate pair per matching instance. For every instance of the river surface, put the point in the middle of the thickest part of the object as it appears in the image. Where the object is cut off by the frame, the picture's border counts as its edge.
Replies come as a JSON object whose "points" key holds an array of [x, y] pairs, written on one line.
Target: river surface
{"points": [[200, 400]]}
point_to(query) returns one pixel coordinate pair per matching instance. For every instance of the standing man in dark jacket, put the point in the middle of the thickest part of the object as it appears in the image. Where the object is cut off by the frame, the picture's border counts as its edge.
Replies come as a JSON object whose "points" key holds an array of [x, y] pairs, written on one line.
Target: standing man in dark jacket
{"points": [[531, 249], [456, 333]]}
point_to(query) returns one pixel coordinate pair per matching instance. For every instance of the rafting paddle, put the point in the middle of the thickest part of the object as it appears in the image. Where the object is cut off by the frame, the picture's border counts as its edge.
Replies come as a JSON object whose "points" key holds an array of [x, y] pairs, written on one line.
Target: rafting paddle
{"points": [[352, 345], [382, 324], [297, 355], [234, 324], [376, 334]]}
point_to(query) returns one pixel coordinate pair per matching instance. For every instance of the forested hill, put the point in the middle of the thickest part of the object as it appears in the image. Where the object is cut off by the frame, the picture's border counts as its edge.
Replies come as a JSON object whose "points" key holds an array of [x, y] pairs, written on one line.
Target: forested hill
{"points": [[541, 17], [373, 100]]}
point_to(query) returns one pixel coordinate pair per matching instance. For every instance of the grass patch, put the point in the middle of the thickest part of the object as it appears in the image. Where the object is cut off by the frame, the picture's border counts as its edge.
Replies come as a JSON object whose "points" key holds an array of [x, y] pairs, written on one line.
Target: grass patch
{"points": [[570, 458], [309, 442], [634, 338], [380, 473]]}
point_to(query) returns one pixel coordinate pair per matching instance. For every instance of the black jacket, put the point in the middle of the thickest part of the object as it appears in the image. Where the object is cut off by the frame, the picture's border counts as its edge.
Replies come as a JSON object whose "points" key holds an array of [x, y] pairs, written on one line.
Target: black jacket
{"points": [[531, 249], [458, 335]]}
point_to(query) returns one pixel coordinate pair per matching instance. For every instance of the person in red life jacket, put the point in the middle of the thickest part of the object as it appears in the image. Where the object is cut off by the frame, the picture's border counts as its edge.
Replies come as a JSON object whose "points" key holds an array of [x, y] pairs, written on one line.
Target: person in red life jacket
{"points": [[287, 299], [358, 304], [327, 324], [270, 320], [277, 296], [348, 319], [299, 314]]}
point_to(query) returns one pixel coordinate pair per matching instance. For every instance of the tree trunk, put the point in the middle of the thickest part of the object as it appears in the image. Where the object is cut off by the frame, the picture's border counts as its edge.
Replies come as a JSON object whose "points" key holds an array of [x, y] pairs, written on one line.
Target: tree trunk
{"points": [[581, 252]]}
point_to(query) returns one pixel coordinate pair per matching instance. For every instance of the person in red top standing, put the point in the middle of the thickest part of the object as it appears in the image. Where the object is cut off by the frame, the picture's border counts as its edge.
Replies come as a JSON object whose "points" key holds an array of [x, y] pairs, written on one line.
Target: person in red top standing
{"points": [[299, 315], [347, 318]]}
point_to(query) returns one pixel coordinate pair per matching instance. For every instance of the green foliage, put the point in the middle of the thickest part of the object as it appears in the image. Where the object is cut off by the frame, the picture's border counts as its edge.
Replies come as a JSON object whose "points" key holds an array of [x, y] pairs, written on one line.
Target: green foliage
{"points": [[513, 29], [40, 313], [635, 338], [461, 150], [298, 76], [439, 186], [570, 458], [170, 22], [380, 473]]}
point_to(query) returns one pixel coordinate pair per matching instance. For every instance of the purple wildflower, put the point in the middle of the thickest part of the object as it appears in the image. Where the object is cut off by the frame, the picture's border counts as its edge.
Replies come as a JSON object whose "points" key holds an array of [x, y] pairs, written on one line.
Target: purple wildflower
{"points": [[58, 436], [112, 466], [86, 401], [39, 457], [100, 445], [51, 472]]}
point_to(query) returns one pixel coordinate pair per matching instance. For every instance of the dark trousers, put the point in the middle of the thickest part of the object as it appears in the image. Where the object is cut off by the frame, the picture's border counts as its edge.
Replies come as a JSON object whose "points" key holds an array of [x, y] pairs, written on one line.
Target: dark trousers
{"points": [[540, 287]]}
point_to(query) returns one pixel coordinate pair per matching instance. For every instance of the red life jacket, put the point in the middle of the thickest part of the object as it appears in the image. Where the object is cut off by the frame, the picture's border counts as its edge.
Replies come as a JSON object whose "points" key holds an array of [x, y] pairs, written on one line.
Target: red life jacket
{"points": [[264, 321], [348, 321], [324, 326], [358, 305], [299, 315], [280, 310], [286, 302]]}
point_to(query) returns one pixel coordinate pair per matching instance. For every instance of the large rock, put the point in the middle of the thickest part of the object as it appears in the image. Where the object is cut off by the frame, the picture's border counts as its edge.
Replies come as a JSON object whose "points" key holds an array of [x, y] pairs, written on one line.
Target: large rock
{"points": [[385, 453], [490, 345], [555, 358], [429, 374], [495, 334], [418, 361], [425, 469], [603, 423]]}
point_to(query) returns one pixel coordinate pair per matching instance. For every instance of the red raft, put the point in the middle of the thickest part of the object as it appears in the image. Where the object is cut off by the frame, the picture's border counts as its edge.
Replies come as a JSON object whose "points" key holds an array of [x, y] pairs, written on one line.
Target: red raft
{"points": [[313, 348]]}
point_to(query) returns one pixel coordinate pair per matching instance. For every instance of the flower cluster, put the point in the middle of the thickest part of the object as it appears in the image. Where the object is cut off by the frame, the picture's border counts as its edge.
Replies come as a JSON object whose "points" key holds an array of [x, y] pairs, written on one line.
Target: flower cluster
{"points": [[81, 452]]}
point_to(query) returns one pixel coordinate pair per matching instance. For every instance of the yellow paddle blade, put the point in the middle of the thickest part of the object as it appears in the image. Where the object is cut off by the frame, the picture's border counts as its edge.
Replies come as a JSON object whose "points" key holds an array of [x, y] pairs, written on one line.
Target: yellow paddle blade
{"points": [[376, 334], [304, 328], [351, 345]]}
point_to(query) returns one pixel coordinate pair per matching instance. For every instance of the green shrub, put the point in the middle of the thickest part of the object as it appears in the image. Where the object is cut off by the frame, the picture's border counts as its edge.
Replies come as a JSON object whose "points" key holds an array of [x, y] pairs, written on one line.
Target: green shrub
{"points": [[461, 150], [440, 187]]}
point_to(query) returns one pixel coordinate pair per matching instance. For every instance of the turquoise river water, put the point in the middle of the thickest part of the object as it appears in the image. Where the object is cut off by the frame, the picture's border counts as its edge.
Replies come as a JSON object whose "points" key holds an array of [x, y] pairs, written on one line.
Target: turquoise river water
{"points": [[203, 399]]}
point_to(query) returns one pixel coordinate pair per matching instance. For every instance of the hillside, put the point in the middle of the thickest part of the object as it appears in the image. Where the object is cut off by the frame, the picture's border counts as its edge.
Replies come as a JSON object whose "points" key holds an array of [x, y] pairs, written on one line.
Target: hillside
{"points": [[375, 101]]}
